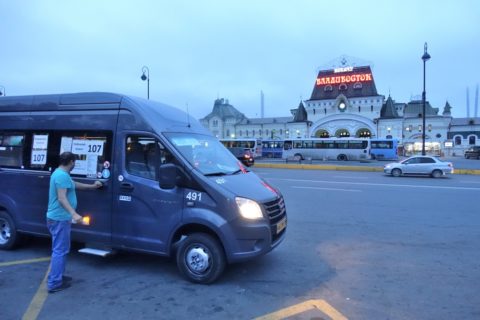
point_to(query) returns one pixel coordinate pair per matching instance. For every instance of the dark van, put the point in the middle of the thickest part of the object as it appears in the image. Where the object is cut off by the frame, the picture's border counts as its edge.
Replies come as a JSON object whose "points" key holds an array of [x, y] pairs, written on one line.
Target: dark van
{"points": [[170, 187]]}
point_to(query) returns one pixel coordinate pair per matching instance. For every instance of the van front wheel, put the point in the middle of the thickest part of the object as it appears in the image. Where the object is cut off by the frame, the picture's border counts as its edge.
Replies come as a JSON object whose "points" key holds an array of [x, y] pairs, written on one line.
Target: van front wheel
{"points": [[9, 237], [200, 258]]}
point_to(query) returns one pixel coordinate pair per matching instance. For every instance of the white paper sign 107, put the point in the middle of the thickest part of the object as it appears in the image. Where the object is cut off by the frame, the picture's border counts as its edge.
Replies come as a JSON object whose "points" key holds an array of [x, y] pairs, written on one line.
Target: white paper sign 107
{"points": [[95, 147], [39, 157]]}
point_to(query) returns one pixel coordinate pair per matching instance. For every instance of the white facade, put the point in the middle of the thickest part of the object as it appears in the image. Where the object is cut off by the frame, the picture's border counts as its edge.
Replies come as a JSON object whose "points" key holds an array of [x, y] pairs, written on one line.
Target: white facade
{"points": [[340, 107]]}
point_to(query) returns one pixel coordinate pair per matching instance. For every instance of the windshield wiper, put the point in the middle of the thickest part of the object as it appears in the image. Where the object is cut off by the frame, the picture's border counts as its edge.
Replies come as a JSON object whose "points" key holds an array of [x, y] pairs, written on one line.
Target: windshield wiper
{"points": [[215, 174], [239, 170]]}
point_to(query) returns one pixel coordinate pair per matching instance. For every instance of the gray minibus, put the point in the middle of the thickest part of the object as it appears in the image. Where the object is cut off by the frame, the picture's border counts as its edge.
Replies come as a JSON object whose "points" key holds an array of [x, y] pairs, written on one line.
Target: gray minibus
{"points": [[170, 187]]}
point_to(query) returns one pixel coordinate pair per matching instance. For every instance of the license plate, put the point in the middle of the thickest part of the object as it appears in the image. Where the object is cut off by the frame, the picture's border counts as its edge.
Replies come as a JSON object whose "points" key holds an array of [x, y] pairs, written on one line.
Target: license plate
{"points": [[281, 225]]}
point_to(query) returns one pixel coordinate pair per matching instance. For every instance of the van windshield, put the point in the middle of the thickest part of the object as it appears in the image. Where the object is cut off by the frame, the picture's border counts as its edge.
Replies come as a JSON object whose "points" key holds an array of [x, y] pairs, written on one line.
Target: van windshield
{"points": [[205, 153]]}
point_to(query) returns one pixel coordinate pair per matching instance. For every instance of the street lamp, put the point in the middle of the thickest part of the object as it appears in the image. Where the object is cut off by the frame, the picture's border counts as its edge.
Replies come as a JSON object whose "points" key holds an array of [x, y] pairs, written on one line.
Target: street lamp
{"points": [[425, 58], [2, 91], [146, 77]]}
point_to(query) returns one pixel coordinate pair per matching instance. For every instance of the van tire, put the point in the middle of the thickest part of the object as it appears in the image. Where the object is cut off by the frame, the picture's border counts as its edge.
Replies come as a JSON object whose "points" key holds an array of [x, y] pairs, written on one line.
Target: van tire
{"points": [[200, 258], [342, 157], [9, 237]]}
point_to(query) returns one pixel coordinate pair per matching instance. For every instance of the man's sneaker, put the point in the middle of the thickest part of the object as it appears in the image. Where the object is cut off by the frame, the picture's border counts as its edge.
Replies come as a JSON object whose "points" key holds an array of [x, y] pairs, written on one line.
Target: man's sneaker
{"points": [[61, 287], [66, 279]]}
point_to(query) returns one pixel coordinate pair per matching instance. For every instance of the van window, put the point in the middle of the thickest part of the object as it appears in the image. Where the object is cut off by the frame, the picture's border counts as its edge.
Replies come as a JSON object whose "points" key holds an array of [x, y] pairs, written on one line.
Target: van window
{"points": [[205, 153], [11, 150], [143, 156], [40, 150], [93, 149]]}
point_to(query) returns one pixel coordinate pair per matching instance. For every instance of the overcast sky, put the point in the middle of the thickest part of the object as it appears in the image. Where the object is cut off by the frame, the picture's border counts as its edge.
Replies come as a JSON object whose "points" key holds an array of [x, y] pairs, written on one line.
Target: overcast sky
{"points": [[200, 50]]}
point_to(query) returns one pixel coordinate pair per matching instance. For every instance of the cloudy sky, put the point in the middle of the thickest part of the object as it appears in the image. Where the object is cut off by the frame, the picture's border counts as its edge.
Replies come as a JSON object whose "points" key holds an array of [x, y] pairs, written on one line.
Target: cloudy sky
{"points": [[200, 50]]}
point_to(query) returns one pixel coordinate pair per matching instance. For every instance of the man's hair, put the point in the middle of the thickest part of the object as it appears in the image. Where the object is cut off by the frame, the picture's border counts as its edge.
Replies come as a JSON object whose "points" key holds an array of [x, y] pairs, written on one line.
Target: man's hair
{"points": [[67, 157]]}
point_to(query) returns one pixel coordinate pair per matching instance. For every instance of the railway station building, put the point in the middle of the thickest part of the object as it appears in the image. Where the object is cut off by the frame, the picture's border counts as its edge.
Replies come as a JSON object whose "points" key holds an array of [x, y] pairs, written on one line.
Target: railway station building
{"points": [[345, 103]]}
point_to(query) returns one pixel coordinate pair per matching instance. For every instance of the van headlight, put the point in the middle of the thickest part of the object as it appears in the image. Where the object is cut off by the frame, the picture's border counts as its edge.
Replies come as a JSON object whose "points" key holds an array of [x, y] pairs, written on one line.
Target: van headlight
{"points": [[249, 209]]}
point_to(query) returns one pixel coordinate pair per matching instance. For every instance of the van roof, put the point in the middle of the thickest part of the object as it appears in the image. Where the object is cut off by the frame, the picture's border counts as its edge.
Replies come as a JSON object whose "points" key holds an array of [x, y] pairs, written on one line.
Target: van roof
{"points": [[48, 101], [152, 112]]}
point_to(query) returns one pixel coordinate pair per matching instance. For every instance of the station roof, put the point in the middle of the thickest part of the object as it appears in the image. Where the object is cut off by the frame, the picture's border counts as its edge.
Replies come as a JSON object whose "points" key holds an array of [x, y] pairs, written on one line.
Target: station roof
{"points": [[223, 109], [351, 82], [465, 121], [415, 109]]}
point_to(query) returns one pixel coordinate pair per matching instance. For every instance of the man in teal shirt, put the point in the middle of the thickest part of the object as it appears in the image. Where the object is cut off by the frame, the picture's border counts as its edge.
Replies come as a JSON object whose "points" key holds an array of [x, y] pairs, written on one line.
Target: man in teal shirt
{"points": [[62, 204]]}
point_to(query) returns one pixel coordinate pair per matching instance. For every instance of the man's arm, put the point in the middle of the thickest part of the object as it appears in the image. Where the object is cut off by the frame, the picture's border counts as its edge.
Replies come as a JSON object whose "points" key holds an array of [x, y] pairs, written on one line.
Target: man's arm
{"points": [[62, 198], [83, 186]]}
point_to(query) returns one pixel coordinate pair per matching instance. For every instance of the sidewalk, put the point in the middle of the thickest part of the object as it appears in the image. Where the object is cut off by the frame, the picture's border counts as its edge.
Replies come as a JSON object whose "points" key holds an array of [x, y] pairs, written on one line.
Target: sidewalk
{"points": [[461, 165]]}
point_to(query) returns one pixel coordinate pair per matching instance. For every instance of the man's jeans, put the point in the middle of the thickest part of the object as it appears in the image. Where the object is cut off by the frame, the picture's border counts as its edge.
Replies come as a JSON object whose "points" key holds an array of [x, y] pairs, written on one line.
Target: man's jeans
{"points": [[60, 231]]}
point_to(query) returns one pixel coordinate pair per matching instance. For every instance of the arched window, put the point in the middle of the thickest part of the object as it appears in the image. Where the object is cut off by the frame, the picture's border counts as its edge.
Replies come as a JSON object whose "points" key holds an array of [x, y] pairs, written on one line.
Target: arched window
{"points": [[458, 140], [260, 132], [281, 131], [266, 132], [363, 133], [328, 88], [472, 140], [342, 133], [357, 85], [246, 133], [342, 87], [227, 133], [322, 133], [240, 133]]}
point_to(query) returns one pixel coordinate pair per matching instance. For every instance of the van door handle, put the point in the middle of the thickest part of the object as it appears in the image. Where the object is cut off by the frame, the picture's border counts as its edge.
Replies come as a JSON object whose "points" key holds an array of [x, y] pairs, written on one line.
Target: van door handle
{"points": [[126, 186]]}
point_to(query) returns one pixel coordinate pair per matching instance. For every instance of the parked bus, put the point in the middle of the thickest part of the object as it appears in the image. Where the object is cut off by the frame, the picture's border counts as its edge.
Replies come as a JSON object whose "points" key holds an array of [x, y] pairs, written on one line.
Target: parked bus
{"points": [[327, 149], [272, 148], [253, 145], [384, 149], [169, 187]]}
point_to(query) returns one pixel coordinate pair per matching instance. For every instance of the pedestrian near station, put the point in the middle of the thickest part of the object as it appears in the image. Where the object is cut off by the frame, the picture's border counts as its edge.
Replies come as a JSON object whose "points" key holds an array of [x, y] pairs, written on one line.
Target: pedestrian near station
{"points": [[62, 204]]}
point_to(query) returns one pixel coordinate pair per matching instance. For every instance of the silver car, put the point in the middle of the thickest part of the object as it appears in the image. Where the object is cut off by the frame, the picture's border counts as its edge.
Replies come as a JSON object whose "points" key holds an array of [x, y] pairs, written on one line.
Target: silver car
{"points": [[419, 165]]}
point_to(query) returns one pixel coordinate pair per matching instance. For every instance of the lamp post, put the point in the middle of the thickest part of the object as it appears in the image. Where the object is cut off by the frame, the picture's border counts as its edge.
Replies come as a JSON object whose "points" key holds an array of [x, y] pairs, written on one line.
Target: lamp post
{"points": [[425, 58], [146, 77], [2, 91]]}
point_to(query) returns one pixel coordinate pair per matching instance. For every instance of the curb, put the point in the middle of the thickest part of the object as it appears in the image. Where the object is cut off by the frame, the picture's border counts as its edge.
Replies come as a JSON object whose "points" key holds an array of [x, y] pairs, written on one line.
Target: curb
{"points": [[342, 168], [467, 171]]}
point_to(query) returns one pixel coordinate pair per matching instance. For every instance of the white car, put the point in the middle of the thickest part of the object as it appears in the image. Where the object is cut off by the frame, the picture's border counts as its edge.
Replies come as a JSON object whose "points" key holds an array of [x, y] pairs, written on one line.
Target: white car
{"points": [[419, 165]]}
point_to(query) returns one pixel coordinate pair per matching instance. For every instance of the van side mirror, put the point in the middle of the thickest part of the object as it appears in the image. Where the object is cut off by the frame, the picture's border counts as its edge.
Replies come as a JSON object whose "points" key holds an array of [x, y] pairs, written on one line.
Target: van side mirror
{"points": [[168, 176]]}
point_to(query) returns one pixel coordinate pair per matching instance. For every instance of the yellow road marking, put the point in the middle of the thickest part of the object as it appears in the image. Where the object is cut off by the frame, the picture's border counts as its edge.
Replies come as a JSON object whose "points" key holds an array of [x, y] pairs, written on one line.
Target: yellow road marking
{"points": [[12, 263], [38, 300], [321, 305]]}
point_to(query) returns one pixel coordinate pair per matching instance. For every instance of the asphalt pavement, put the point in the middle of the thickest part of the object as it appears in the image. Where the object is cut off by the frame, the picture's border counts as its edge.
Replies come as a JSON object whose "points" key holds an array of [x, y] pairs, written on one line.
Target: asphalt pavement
{"points": [[359, 245]]}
